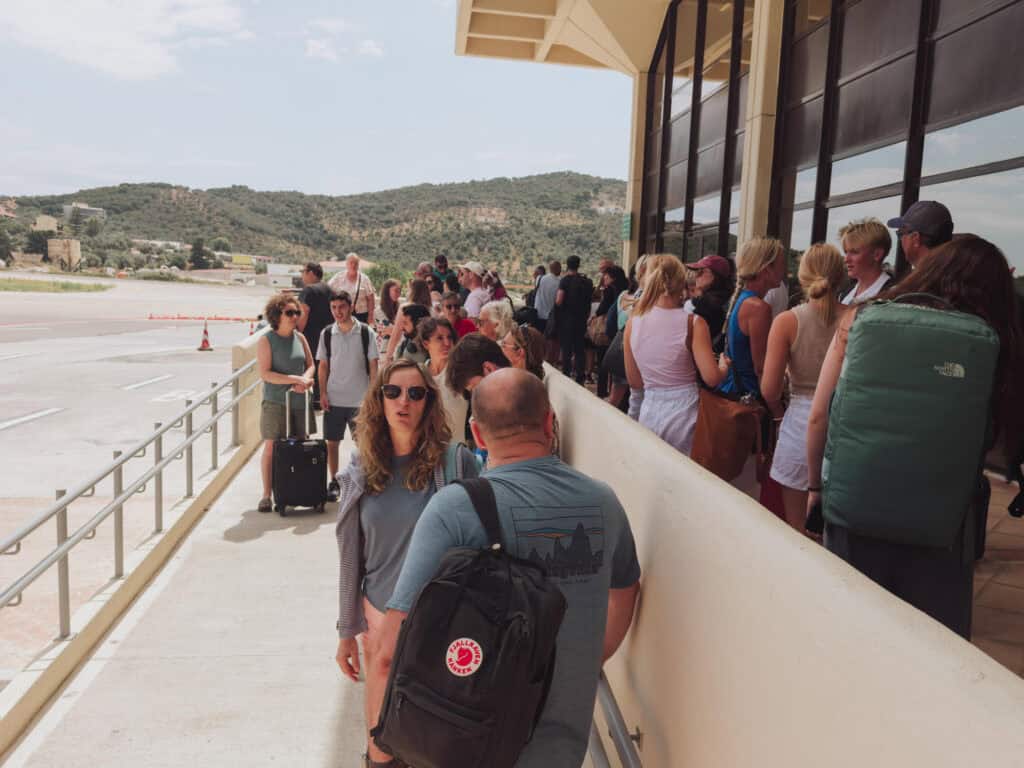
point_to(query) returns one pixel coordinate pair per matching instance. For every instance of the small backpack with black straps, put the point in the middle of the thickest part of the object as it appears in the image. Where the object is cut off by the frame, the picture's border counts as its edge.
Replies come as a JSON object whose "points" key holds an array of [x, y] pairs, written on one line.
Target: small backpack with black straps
{"points": [[475, 656]]}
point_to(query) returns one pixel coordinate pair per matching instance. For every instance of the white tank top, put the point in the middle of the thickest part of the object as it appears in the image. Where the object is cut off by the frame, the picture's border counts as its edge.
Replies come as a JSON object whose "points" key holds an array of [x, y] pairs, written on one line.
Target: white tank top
{"points": [[658, 342]]}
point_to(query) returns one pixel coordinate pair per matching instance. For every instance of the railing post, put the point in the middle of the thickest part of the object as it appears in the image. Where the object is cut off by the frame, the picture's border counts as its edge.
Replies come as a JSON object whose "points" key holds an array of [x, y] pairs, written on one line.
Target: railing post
{"points": [[118, 519], [188, 452], [158, 482], [236, 387], [63, 578], [213, 429]]}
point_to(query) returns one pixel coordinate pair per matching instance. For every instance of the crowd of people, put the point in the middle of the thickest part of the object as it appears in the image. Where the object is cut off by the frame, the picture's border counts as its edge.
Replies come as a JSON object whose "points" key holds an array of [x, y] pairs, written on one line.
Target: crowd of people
{"points": [[445, 381]]}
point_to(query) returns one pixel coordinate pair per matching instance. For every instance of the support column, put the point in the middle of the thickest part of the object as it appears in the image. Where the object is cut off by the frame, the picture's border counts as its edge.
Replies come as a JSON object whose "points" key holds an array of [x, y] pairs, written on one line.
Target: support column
{"points": [[635, 184], [762, 103]]}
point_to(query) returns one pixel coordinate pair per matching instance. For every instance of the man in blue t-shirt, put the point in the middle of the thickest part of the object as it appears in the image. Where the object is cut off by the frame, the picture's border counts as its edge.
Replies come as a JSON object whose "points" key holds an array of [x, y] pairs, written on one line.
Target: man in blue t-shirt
{"points": [[549, 512]]}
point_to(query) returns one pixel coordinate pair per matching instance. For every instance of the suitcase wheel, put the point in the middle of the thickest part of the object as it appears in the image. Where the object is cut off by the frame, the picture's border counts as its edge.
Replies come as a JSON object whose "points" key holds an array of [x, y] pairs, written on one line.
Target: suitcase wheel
{"points": [[321, 508], [280, 509]]}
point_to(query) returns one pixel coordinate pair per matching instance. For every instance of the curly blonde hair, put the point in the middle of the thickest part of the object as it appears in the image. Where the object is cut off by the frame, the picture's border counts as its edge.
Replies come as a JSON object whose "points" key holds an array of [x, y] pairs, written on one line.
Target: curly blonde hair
{"points": [[373, 436]]}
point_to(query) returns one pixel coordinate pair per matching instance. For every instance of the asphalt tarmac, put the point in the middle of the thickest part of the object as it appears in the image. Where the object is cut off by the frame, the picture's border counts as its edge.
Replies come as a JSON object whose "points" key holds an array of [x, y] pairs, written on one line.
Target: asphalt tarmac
{"points": [[83, 375]]}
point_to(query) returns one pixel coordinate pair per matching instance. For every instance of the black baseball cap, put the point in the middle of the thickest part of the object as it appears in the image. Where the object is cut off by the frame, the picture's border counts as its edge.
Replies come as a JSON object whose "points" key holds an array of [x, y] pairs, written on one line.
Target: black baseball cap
{"points": [[927, 217]]}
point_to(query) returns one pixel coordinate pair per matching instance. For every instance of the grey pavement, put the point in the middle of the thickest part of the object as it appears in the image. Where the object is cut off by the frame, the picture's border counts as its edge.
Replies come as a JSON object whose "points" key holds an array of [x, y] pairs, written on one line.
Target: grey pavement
{"points": [[85, 374], [227, 658]]}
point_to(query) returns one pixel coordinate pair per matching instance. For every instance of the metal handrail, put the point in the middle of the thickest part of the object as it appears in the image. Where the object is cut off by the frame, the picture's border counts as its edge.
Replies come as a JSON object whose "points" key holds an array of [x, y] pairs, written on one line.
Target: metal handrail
{"points": [[12, 595], [88, 487], [624, 741]]}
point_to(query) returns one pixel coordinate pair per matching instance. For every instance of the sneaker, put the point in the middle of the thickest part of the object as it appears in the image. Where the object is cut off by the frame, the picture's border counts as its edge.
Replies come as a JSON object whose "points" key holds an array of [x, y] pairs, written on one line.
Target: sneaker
{"points": [[333, 490], [264, 505]]}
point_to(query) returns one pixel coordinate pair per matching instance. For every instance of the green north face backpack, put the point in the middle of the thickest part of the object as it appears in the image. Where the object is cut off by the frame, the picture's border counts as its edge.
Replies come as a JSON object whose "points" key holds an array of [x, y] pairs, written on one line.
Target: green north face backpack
{"points": [[908, 423]]}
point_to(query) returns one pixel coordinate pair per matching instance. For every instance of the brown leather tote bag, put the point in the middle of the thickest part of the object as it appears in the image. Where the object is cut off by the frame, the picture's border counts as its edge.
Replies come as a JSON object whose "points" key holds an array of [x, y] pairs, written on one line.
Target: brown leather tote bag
{"points": [[728, 427]]}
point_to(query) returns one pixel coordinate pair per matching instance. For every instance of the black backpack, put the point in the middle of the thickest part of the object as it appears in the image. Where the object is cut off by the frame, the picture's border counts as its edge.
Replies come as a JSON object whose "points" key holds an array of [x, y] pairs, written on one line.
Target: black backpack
{"points": [[474, 660], [364, 336]]}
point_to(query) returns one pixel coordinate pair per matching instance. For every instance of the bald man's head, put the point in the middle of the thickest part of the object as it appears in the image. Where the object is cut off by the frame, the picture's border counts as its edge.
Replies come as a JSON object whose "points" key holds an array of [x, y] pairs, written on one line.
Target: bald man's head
{"points": [[510, 402]]}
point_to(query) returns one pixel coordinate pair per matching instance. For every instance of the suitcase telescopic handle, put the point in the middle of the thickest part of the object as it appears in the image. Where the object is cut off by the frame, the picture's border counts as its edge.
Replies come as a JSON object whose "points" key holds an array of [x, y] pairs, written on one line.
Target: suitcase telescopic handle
{"points": [[288, 412]]}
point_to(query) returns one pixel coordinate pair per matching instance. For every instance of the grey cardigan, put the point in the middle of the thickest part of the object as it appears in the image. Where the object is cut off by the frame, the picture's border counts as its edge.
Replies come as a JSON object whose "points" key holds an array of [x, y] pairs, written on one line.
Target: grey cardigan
{"points": [[352, 481]]}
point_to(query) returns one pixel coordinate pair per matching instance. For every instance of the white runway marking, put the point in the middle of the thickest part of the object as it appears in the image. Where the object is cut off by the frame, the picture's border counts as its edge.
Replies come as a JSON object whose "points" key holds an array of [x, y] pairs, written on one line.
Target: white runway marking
{"points": [[141, 384], [30, 417], [177, 394], [17, 355], [24, 327]]}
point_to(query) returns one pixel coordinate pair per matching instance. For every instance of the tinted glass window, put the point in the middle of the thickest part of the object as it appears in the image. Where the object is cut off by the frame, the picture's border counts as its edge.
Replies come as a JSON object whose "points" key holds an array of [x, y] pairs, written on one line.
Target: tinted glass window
{"points": [[986, 140], [874, 30], [870, 169]]}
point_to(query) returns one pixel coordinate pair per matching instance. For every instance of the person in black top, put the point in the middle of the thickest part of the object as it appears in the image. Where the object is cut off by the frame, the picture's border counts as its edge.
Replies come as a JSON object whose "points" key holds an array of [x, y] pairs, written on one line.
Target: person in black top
{"points": [[711, 294], [315, 300], [613, 282], [573, 308]]}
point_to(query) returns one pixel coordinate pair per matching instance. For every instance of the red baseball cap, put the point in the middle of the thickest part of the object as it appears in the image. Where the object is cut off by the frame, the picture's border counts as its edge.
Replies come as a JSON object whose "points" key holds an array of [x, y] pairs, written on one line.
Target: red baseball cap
{"points": [[717, 264]]}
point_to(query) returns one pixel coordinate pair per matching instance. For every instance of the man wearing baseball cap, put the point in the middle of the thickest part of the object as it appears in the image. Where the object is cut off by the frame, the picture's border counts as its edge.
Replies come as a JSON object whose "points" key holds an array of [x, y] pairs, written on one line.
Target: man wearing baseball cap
{"points": [[471, 276], [924, 227]]}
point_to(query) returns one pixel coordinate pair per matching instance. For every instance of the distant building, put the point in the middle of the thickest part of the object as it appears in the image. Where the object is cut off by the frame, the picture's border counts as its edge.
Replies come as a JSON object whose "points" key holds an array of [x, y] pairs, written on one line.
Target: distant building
{"points": [[44, 223], [65, 252], [86, 212], [163, 245]]}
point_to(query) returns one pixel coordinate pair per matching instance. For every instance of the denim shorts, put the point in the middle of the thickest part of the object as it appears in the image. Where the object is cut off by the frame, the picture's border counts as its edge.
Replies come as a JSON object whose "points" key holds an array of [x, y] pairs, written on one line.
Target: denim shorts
{"points": [[335, 419]]}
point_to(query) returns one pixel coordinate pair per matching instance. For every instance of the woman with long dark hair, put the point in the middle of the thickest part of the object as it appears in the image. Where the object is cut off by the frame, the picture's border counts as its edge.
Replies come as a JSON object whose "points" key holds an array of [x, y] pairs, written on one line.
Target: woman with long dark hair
{"points": [[972, 276], [403, 453]]}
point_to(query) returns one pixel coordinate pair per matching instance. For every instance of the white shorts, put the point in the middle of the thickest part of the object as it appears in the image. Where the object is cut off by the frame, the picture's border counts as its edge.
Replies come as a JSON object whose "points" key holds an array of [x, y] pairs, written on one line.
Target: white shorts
{"points": [[671, 414], [789, 467]]}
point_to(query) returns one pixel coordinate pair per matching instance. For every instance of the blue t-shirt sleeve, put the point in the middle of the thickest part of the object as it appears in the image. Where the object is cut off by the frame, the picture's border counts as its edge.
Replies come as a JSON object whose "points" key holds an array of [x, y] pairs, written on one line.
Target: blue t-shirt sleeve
{"points": [[625, 566], [435, 533]]}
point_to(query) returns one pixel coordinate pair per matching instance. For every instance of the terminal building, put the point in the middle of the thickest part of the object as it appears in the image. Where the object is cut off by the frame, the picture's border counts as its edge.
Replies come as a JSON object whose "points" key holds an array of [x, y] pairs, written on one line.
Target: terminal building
{"points": [[793, 117]]}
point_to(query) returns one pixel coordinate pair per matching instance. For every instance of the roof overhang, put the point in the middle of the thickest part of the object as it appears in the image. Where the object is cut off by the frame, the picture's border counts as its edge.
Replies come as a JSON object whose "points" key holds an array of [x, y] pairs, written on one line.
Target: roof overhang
{"points": [[609, 34]]}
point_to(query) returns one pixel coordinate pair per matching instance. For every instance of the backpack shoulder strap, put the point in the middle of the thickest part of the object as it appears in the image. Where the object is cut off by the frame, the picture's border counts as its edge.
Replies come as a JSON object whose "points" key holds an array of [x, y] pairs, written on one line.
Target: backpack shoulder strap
{"points": [[452, 465], [689, 333], [364, 334], [482, 495], [327, 335]]}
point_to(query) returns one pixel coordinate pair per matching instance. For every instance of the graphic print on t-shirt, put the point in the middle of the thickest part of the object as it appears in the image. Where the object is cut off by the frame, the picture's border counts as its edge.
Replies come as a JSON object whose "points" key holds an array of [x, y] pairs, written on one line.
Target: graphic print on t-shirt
{"points": [[569, 543]]}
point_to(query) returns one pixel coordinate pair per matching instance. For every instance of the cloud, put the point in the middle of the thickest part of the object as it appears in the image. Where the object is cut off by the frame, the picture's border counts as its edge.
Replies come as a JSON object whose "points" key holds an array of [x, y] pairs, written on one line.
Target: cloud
{"points": [[370, 48], [331, 26], [132, 41], [321, 49]]}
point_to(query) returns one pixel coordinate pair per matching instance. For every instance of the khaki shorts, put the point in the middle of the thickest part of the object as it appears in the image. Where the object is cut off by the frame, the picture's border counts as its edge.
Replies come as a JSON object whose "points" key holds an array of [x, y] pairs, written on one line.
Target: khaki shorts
{"points": [[272, 421]]}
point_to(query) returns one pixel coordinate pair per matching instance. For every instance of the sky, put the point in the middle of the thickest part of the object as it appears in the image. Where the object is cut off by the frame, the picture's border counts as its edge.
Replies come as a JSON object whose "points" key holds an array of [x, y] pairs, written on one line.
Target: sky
{"points": [[321, 97]]}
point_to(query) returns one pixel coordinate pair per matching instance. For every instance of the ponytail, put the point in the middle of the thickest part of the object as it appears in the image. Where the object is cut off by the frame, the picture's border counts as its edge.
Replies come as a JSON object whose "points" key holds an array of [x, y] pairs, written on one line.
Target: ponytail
{"points": [[821, 273]]}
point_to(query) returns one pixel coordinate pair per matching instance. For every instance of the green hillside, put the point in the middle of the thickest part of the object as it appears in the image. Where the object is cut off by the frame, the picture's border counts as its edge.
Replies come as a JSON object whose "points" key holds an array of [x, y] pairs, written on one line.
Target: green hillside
{"points": [[509, 223]]}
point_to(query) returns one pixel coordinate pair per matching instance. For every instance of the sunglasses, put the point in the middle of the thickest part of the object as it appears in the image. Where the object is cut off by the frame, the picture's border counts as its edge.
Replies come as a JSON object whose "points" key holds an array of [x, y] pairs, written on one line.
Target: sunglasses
{"points": [[292, 312], [452, 307], [393, 392]]}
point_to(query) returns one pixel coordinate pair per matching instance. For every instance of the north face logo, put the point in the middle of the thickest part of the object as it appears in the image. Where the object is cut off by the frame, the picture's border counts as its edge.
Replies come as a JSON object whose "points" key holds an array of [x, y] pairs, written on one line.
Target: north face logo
{"points": [[951, 370]]}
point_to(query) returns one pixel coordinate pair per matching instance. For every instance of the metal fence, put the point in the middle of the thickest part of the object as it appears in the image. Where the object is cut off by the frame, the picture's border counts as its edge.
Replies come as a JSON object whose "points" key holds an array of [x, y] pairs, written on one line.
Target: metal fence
{"points": [[12, 595], [625, 743]]}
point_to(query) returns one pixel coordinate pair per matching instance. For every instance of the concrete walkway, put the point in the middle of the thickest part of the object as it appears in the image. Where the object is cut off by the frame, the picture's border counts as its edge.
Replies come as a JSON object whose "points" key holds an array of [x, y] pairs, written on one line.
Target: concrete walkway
{"points": [[227, 659]]}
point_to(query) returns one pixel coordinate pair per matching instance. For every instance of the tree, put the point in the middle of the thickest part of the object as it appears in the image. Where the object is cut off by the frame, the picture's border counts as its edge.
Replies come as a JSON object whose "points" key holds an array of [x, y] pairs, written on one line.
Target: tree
{"points": [[75, 221], [93, 227], [36, 243], [220, 244], [198, 258], [5, 245]]}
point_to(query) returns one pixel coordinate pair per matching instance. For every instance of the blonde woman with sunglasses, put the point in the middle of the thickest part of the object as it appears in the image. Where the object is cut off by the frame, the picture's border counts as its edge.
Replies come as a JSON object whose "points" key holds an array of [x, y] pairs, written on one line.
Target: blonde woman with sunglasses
{"points": [[404, 456]]}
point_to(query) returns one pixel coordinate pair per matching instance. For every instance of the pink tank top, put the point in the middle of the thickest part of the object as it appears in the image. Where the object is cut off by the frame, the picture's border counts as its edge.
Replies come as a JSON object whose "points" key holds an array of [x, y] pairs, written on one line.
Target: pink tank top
{"points": [[658, 343]]}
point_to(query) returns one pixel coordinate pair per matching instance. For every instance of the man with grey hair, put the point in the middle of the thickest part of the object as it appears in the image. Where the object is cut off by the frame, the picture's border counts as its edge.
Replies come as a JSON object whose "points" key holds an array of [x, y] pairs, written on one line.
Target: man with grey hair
{"points": [[357, 285], [551, 513], [423, 270]]}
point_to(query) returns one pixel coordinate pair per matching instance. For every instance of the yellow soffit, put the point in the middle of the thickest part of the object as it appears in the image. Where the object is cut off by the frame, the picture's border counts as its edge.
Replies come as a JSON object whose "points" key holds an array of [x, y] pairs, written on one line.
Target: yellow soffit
{"points": [[608, 34]]}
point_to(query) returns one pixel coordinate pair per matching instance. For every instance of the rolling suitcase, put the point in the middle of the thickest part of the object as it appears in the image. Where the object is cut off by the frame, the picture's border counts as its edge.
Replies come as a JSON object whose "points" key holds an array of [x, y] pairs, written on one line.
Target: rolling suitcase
{"points": [[299, 475]]}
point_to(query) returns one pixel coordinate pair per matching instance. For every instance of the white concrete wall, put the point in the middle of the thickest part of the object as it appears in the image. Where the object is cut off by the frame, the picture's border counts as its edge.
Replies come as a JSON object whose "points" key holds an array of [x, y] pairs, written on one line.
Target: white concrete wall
{"points": [[754, 646], [249, 408]]}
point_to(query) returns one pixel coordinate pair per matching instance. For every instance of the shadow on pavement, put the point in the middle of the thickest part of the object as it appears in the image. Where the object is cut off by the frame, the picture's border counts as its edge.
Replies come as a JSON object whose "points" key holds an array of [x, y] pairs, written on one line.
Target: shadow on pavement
{"points": [[254, 524]]}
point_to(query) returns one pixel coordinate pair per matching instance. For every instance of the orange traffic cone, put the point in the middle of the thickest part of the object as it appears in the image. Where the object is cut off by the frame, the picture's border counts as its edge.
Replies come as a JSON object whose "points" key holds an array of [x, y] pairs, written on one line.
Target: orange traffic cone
{"points": [[204, 345]]}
